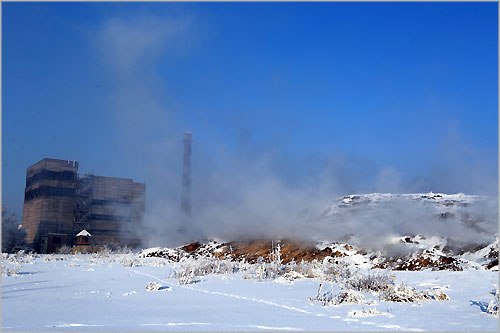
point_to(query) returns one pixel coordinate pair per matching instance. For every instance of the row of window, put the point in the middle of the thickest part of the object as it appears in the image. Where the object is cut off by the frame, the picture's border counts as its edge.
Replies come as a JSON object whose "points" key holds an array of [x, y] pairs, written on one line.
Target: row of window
{"points": [[49, 191], [52, 175]]}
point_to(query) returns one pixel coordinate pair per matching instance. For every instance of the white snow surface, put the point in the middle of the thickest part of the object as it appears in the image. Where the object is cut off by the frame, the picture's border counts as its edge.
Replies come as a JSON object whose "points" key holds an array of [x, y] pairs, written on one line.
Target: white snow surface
{"points": [[108, 292]]}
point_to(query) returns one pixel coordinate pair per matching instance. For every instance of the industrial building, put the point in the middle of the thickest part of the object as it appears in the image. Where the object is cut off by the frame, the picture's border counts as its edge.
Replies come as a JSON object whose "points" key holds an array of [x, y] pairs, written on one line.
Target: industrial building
{"points": [[59, 204]]}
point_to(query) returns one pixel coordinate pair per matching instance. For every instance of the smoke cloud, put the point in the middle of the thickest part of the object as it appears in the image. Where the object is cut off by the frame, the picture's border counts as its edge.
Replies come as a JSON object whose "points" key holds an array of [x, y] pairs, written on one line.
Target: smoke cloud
{"points": [[260, 193]]}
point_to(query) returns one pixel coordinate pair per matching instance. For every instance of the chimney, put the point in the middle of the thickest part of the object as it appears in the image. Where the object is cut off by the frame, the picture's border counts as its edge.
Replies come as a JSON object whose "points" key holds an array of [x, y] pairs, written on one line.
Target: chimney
{"points": [[186, 176]]}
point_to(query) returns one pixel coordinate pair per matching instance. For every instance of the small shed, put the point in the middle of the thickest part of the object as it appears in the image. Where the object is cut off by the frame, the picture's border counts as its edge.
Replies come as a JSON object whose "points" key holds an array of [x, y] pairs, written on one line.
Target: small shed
{"points": [[52, 242], [83, 238]]}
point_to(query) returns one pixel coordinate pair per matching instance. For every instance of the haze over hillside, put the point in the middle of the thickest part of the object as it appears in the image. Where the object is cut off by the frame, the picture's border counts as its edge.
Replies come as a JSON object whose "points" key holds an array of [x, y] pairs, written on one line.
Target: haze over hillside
{"points": [[366, 220]]}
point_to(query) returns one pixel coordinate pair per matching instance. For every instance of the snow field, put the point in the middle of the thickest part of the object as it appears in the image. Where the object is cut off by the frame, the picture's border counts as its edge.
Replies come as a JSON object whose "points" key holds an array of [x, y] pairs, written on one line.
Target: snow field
{"points": [[99, 292]]}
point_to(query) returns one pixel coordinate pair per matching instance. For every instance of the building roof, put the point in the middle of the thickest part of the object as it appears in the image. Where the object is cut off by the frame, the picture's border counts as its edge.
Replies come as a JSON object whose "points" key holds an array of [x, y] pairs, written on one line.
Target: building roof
{"points": [[84, 233]]}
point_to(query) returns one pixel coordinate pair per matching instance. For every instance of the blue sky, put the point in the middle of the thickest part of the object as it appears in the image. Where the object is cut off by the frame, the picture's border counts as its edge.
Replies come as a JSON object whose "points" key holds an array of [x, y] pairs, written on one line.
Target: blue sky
{"points": [[379, 96]]}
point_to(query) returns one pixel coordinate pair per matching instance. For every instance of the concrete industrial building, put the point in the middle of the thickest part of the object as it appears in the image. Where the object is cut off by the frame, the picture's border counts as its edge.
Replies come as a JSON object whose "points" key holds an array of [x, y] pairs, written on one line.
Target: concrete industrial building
{"points": [[59, 204]]}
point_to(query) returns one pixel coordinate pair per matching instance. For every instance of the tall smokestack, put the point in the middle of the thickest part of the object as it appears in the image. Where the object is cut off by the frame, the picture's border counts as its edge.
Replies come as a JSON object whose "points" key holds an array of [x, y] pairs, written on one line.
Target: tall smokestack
{"points": [[186, 176]]}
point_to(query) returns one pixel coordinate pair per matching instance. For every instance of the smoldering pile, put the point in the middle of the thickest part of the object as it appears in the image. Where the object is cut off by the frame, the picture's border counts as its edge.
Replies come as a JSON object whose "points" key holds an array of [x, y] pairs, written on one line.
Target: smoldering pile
{"points": [[379, 230], [426, 253]]}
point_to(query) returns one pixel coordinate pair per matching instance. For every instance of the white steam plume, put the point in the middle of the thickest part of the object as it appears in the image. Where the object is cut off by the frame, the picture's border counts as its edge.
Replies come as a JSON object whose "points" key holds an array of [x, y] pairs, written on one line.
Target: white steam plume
{"points": [[234, 196]]}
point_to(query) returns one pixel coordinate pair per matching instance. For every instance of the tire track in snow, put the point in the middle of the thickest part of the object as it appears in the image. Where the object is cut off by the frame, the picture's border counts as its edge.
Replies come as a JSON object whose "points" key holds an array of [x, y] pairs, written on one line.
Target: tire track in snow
{"points": [[283, 306], [257, 300]]}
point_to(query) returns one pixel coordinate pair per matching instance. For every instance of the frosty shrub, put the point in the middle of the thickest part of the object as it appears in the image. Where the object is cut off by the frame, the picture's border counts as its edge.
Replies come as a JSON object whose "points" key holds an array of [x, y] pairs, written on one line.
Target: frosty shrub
{"points": [[12, 263], [106, 254], [338, 269], [293, 270], [153, 286], [20, 257], [349, 296], [437, 295], [190, 268], [52, 257], [262, 270], [402, 293], [155, 263], [205, 266], [10, 268], [105, 251], [325, 298], [493, 304], [123, 250], [275, 257], [13, 237], [186, 276], [373, 282], [344, 296], [129, 262], [64, 250], [271, 270], [292, 275]]}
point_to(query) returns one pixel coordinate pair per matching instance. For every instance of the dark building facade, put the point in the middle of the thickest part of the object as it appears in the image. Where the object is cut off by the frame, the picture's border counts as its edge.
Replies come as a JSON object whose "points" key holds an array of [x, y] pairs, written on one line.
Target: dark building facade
{"points": [[59, 203]]}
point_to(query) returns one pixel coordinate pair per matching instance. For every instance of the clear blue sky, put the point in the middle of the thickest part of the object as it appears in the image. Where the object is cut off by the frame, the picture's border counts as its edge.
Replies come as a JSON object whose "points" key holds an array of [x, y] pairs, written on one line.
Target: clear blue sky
{"points": [[406, 90]]}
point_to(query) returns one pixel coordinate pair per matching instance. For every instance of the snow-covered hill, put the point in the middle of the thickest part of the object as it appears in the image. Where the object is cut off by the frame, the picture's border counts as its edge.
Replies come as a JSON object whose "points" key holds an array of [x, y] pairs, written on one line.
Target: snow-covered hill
{"points": [[373, 221], [430, 205], [399, 231]]}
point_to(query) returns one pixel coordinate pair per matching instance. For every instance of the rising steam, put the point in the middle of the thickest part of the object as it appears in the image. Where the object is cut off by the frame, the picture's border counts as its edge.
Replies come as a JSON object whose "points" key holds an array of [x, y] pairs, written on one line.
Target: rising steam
{"points": [[261, 194]]}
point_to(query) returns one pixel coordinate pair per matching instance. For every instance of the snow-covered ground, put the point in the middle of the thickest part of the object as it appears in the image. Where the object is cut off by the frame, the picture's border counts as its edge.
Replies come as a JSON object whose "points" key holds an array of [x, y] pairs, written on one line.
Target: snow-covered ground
{"points": [[108, 292]]}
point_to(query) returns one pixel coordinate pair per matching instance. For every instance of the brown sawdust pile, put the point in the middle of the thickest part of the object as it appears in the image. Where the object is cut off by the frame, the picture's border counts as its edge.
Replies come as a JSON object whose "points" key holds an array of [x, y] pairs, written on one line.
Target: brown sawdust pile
{"points": [[252, 250]]}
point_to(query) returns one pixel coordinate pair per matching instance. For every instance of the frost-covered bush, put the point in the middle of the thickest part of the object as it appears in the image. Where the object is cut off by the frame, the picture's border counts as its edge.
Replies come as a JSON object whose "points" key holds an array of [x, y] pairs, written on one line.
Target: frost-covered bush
{"points": [[205, 266], [160, 262], [402, 293], [344, 296], [271, 270], [290, 271], [104, 251], [372, 282], [493, 304], [338, 269], [437, 295], [13, 236], [348, 296], [130, 262], [189, 268], [262, 270], [312, 269], [153, 286], [302, 269], [64, 250], [117, 250], [186, 276], [52, 257], [111, 253], [10, 268], [127, 260], [21, 257], [292, 275], [325, 298], [12, 263]]}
